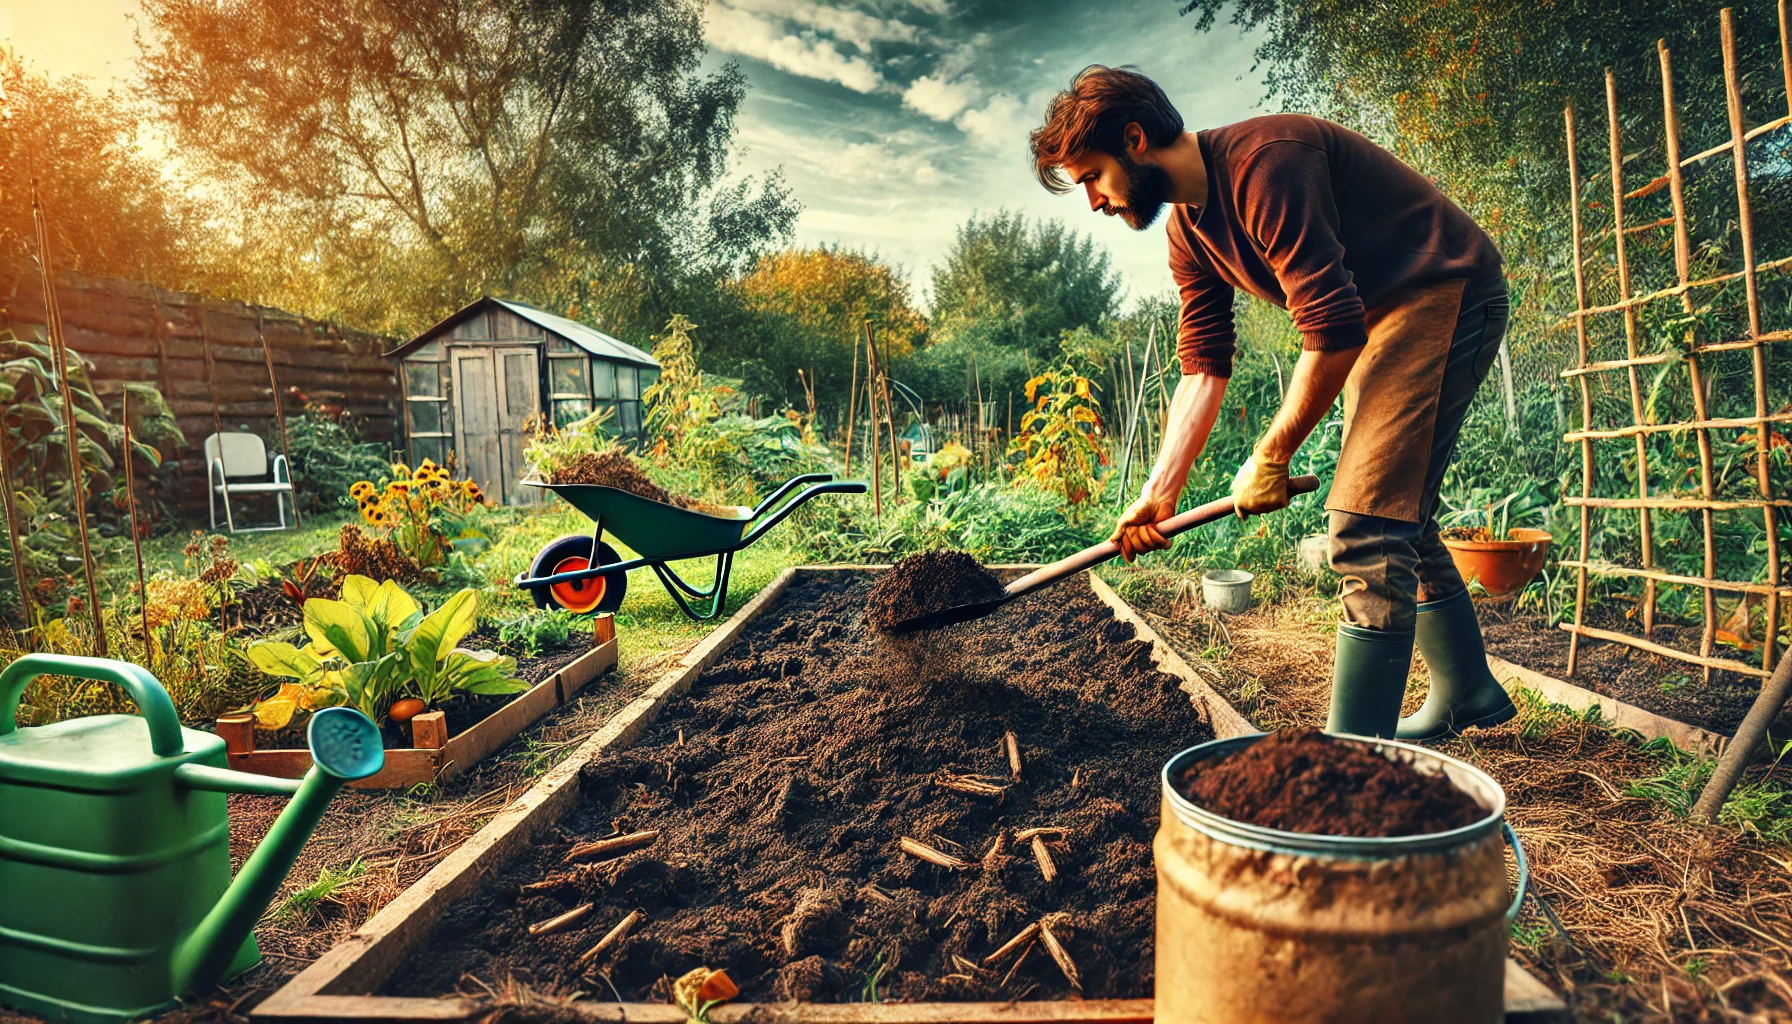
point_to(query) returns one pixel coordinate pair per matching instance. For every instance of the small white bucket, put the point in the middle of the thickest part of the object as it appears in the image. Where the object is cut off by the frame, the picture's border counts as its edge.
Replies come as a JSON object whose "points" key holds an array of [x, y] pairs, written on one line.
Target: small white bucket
{"points": [[1226, 590]]}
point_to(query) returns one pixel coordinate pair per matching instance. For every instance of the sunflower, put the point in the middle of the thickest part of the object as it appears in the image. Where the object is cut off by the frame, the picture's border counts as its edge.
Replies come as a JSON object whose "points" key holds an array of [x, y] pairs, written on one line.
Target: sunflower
{"points": [[472, 491], [398, 487], [361, 490], [425, 470], [400, 470]]}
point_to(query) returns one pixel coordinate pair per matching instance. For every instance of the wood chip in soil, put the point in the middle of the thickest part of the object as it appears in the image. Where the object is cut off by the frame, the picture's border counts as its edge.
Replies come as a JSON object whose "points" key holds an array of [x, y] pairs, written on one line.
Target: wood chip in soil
{"points": [[790, 873]]}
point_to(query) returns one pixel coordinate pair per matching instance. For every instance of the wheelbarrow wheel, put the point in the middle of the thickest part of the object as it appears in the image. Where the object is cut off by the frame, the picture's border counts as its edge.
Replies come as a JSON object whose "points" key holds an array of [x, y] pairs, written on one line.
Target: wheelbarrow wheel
{"points": [[570, 554]]}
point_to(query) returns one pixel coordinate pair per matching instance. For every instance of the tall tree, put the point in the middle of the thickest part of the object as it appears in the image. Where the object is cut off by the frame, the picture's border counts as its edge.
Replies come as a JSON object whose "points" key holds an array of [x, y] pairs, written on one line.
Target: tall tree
{"points": [[394, 159], [107, 206], [810, 307]]}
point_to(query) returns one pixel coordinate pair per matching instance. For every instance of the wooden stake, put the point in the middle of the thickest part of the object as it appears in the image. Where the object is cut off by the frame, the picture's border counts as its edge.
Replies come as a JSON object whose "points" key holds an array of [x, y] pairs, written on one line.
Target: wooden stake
{"points": [[211, 384], [1013, 747], [130, 498], [883, 373], [71, 435], [1044, 856], [561, 923], [1586, 391], [852, 408], [612, 939], [1060, 954], [12, 535], [612, 846], [1027, 934], [921, 851], [279, 412], [877, 494]]}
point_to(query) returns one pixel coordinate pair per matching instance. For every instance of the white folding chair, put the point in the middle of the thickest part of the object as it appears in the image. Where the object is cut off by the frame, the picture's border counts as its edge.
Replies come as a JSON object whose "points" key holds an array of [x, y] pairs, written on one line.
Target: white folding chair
{"points": [[237, 463]]}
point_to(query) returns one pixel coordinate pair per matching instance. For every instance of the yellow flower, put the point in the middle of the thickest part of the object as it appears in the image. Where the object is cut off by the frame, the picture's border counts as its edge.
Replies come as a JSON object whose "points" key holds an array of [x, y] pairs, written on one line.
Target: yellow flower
{"points": [[400, 470], [361, 489]]}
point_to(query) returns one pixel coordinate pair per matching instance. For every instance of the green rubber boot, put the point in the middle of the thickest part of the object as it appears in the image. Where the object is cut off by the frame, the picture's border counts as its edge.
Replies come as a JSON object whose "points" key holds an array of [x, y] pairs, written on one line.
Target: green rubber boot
{"points": [[1368, 680], [1464, 694]]}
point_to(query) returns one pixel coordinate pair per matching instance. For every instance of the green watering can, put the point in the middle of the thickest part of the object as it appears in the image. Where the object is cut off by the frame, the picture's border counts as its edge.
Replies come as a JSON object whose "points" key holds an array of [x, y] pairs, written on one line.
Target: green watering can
{"points": [[115, 890]]}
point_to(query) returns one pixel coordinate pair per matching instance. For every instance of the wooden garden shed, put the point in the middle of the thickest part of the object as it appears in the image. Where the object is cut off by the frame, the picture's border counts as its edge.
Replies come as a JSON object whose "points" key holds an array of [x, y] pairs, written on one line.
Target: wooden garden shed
{"points": [[474, 383]]}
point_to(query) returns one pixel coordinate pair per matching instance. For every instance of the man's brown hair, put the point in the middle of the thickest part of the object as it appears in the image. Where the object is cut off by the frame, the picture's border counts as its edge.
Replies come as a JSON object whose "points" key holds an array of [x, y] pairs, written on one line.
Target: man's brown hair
{"points": [[1093, 114]]}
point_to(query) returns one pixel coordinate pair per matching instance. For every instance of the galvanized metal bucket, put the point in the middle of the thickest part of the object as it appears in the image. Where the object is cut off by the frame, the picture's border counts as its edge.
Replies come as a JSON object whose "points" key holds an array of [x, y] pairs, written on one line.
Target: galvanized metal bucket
{"points": [[1257, 924], [1226, 590]]}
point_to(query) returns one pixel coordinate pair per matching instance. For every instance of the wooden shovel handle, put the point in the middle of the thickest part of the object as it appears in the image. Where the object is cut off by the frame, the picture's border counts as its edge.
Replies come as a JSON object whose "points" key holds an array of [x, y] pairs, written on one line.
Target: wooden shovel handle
{"points": [[1180, 523]]}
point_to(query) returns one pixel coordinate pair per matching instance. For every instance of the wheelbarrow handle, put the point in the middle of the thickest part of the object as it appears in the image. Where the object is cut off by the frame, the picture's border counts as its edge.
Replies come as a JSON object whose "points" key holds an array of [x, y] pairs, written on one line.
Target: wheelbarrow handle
{"points": [[1201, 515], [787, 487]]}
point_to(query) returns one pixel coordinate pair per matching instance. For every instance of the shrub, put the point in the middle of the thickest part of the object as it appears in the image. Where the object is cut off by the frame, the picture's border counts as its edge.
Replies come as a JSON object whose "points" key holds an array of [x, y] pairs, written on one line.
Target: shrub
{"points": [[328, 456]]}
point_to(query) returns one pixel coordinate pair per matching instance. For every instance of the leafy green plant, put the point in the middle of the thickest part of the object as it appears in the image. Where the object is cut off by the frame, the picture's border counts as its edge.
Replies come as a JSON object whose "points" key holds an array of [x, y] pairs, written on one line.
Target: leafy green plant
{"points": [[530, 633], [303, 903], [374, 646], [1060, 436], [328, 456]]}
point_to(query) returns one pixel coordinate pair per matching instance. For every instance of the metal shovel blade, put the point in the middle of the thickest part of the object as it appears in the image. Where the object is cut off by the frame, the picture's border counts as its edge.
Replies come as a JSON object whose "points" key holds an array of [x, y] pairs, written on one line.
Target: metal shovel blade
{"points": [[1046, 575]]}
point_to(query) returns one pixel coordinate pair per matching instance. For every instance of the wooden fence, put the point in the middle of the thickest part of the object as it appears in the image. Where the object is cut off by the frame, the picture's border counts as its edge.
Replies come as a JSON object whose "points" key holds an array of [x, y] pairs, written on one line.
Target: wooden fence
{"points": [[213, 359], [1695, 352]]}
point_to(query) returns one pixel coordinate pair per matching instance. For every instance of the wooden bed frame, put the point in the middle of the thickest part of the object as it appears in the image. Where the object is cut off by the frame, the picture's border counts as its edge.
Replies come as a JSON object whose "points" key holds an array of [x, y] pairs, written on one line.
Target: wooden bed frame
{"points": [[338, 986]]}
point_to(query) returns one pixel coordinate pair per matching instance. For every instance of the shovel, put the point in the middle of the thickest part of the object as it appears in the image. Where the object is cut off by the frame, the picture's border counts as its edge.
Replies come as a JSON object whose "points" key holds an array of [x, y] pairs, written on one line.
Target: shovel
{"points": [[1046, 575]]}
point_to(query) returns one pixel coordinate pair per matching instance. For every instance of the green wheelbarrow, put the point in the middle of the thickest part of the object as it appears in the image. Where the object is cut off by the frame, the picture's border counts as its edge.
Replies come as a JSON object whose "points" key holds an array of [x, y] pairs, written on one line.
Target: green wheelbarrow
{"points": [[581, 573]]}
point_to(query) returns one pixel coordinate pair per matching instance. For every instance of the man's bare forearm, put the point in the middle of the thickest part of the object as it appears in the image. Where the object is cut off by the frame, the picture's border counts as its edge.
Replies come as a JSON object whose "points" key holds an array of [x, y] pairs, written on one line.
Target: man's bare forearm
{"points": [[1318, 380], [1193, 411]]}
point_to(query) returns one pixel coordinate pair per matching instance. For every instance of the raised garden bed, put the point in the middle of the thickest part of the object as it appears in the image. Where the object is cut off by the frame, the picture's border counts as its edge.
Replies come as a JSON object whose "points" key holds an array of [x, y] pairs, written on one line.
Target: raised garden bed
{"points": [[1664, 686], [1082, 676], [441, 746]]}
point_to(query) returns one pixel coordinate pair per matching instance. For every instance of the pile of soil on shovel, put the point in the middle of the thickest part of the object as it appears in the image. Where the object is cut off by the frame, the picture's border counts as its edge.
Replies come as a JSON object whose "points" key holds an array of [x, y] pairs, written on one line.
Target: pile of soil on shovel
{"points": [[1301, 780], [781, 786], [934, 581]]}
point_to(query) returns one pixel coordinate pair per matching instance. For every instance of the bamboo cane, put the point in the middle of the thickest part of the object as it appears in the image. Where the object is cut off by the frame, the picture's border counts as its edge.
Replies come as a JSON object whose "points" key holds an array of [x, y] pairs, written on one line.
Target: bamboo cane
{"points": [[211, 386], [883, 373], [71, 436], [130, 497], [1586, 393], [12, 531], [877, 494], [852, 408], [279, 412]]}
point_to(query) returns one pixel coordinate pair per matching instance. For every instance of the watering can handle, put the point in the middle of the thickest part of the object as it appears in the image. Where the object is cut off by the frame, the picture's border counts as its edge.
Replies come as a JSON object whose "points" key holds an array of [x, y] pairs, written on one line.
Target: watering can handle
{"points": [[151, 699]]}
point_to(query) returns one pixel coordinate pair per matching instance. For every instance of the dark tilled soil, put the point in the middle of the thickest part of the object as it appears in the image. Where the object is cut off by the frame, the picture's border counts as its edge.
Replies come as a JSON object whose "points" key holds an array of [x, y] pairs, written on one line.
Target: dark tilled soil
{"points": [[1301, 780], [808, 750], [467, 710], [923, 584], [614, 467], [1665, 686]]}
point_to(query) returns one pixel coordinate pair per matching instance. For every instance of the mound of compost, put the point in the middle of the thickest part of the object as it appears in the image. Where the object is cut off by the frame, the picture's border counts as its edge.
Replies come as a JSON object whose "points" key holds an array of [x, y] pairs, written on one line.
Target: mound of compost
{"points": [[779, 792], [614, 467], [934, 581], [1301, 780]]}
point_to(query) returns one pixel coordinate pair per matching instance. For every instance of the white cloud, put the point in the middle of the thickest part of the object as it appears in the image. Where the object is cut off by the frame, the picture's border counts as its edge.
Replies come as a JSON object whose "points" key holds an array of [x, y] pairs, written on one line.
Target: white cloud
{"points": [[845, 25], [745, 33], [939, 98], [937, 7], [997, 123]]}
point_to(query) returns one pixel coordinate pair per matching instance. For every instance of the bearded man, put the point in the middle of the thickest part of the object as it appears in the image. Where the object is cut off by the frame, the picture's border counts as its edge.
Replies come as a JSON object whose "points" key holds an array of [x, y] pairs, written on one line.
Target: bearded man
{"points": [[1398, 296]]}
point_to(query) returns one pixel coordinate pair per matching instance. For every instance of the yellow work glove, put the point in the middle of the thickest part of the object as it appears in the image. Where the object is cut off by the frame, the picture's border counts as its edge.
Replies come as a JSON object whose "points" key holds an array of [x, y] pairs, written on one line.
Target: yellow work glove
{"points": [[1260, 486]]}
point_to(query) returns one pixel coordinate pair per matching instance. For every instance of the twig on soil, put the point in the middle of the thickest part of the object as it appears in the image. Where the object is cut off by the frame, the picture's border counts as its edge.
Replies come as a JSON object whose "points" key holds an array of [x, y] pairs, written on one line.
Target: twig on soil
{"points": [[916, 848], [969, 785], [1017, 962], [1013, 747], [1053, 832], [876, 894], [1076, 778], [1027, 934], [558, 880], [1044, 856], [612, 846], [561, 923], [681, 737], [1060, 954], [998, 847], [967, 966], [614, 938], [788, 760]]}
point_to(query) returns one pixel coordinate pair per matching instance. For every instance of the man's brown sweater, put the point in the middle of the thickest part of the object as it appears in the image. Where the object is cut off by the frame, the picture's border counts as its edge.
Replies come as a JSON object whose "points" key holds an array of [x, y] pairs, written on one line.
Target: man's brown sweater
{"points": [[1317, 219]]}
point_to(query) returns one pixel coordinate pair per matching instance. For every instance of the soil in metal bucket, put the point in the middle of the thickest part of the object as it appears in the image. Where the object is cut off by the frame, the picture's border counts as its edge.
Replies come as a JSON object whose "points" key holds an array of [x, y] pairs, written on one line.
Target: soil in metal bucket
{"points": [[1301, 780], [782, 785], [930, 582]]}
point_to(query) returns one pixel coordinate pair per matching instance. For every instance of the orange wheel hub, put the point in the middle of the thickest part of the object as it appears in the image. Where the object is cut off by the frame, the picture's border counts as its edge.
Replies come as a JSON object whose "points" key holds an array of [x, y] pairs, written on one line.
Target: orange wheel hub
{"points": [[577, 595]]}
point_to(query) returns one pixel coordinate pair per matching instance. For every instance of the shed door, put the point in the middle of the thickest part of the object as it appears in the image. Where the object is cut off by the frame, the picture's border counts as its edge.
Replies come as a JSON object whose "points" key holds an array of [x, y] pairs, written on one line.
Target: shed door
{"points": [[496, 391]]}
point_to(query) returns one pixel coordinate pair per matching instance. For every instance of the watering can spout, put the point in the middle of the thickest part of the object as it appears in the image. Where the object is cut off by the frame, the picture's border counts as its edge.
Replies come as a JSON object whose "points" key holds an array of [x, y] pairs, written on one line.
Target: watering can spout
{"points": [[345, 746]]}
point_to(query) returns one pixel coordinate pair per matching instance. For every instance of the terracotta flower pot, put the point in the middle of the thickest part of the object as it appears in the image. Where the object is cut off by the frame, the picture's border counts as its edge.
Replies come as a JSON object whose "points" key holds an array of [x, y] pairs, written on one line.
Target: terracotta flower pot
{"points": [[1504, 567]]}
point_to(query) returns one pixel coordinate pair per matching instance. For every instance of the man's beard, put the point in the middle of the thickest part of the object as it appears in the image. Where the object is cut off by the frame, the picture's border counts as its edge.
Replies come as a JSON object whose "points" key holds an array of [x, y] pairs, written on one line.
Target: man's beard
{"points": [[1147, 190]]}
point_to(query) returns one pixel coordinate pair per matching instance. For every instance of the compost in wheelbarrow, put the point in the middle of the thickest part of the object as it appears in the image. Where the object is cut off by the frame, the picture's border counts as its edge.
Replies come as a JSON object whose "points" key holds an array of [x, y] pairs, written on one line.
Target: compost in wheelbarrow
{"points": [[583, 574]]}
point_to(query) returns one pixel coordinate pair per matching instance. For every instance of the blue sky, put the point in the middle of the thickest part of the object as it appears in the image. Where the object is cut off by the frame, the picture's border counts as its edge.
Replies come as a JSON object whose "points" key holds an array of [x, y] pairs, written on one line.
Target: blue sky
{"points": [[892, 120], [895, 120]]}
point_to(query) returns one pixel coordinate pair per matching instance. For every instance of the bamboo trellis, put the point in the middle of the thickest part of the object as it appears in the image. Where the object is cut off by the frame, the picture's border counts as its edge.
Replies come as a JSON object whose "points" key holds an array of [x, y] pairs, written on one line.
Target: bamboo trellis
{"points": [[1703, 424]]}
